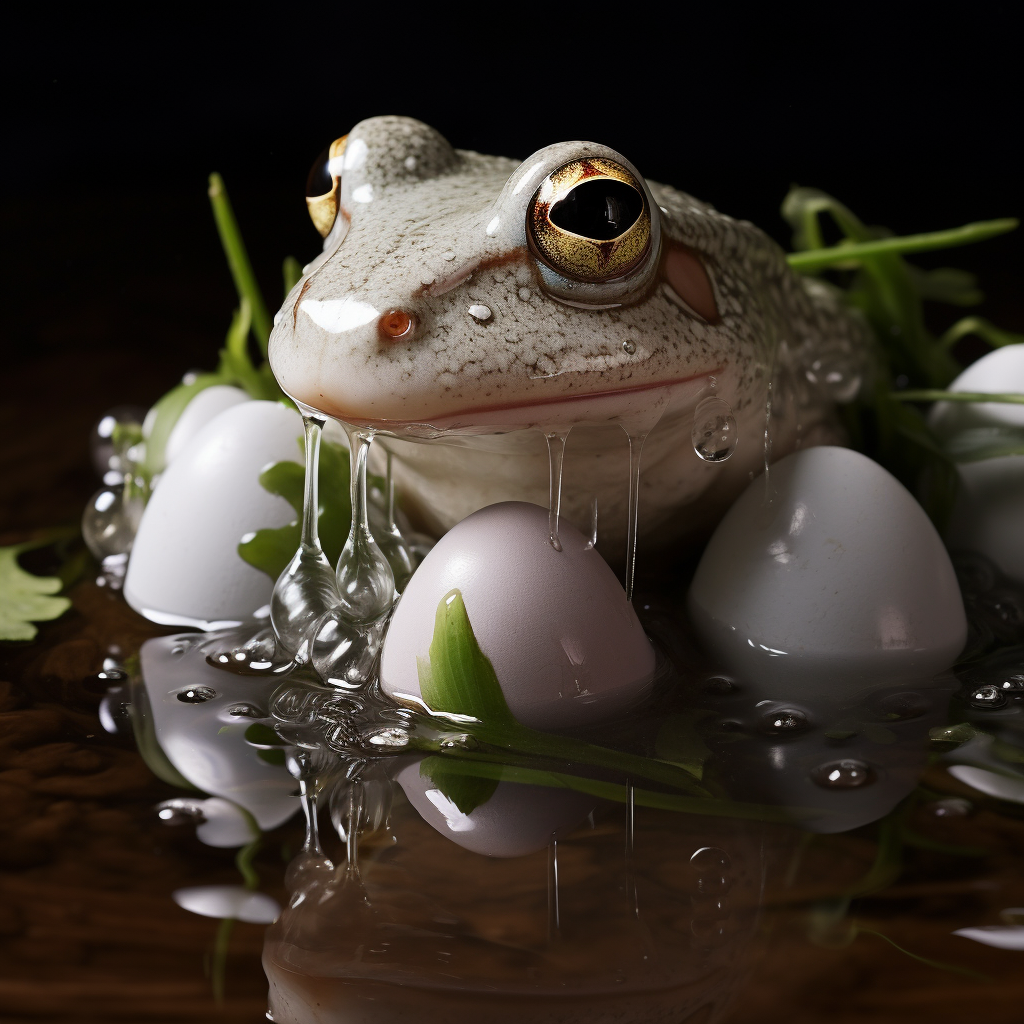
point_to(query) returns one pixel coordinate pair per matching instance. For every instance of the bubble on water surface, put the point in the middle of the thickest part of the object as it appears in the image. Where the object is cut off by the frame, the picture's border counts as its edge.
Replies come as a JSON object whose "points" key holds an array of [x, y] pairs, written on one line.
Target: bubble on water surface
{"points": [[110, 521], [784, 721], [714, 434], [951, 807], [846, 774], [988, 697], [197, 694]]}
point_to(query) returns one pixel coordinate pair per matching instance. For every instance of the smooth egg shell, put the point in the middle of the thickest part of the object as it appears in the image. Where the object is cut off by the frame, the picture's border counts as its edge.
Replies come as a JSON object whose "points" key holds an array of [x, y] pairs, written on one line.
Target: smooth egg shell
{"points": [[840, 580], [988, 516], [185, 567], [209, 403], [565, 643]]}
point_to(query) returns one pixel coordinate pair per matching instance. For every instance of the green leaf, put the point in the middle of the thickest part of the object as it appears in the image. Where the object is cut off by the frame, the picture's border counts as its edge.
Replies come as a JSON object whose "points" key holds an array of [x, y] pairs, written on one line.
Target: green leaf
{"points": [[947, 284], [467, 792], [270, 550], [461, 679], [25, 598], [274, 756]]}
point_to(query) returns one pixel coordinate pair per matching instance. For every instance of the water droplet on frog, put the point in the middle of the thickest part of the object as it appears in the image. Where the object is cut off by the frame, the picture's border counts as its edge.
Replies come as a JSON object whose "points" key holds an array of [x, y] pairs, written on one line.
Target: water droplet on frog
{"points": [[988, 697], [846, 774], [784, 721], [449, 255], [480, 312], [714, 432], [197, 694], [951, 807], [524, 293], [629, 347]]}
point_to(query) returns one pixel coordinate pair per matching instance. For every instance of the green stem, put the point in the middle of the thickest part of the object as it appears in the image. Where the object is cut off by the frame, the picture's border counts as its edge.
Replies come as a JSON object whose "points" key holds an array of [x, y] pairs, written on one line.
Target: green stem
{"points": [[243, 861], [238, 260], [218, 963], [936, 395], [924, 960], [981, 327], [816, 259]]}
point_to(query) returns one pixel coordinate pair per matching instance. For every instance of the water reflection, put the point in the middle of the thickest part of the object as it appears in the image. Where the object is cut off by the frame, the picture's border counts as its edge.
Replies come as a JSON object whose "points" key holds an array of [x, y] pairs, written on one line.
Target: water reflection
{"points": [[520, 888]]}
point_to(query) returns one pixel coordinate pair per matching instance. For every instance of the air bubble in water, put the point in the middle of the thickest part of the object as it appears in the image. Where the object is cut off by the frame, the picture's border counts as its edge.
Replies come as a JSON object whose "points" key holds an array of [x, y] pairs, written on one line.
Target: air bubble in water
{"points": [[988, 697], [846, 774], [714, 433], [1012, 684], [951, 807], [784, 721], [114, 436], [111, 519], [197, 694]]}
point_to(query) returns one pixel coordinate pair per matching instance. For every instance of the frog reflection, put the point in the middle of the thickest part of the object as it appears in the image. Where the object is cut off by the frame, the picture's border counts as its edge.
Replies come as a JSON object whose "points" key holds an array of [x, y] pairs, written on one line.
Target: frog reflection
{"points": [[463, 296]]}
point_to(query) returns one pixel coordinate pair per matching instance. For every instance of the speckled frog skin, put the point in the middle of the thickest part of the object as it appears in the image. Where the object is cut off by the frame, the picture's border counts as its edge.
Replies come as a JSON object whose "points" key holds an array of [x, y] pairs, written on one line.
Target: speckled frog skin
{"points": [[437, 317]]}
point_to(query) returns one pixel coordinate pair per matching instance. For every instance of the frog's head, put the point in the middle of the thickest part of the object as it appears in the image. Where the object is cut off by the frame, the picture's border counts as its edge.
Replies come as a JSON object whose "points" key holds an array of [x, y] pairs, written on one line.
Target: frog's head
{"points": [[465, 292]]}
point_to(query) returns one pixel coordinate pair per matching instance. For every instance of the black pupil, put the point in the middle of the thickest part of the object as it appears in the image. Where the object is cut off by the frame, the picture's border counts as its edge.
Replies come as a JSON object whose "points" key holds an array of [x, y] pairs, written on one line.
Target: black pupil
{"points": [[319, 182], [601, 208]]}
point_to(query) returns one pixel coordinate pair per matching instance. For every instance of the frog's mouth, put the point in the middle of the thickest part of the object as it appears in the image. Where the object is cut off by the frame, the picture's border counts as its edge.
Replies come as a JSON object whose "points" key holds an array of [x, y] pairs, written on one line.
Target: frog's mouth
{"points": [[635, 409]]}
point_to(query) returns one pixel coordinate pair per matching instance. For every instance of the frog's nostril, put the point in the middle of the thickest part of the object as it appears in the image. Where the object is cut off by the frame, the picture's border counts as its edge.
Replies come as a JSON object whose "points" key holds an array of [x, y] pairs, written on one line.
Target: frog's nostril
{"points": [[395, 324]]}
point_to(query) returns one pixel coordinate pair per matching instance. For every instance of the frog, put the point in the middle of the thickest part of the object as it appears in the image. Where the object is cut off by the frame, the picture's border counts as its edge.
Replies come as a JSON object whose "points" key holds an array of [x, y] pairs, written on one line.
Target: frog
{"points": [[556, 330]]}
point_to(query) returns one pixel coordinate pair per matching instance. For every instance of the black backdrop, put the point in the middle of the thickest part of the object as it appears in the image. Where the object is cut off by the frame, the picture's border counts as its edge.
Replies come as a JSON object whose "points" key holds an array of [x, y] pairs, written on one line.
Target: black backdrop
{"points": [[111, 268]]}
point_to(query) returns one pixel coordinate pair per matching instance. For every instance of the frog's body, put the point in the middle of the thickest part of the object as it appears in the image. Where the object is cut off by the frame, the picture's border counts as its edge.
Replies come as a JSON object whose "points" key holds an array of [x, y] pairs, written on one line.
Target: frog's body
{"points": [[434, 315]]}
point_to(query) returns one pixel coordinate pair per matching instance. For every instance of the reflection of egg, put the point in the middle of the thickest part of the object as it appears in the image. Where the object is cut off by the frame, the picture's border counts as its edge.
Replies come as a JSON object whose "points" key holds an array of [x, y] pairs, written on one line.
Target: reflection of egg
{"points": [[516, 820], [565, 643], [840, 580], [185, 567], [989, 510]]}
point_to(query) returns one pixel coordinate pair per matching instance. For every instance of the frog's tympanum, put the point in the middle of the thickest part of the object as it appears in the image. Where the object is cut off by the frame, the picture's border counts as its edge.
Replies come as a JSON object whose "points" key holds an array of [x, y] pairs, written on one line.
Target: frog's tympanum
{"points": [[483, 303]]}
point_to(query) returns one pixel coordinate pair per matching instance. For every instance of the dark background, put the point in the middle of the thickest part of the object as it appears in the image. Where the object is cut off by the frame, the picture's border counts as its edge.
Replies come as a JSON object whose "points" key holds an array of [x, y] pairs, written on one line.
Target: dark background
{"points": [[114, 280]]}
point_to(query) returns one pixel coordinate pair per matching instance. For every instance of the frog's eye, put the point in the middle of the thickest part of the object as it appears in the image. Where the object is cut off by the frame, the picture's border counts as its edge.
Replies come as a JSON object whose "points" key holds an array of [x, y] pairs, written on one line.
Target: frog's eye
{"points": [[323, 186], [589, 220]]}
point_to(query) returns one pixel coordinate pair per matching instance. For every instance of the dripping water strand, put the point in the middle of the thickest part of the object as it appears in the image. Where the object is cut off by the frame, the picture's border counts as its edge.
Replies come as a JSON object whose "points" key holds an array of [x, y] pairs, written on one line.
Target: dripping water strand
{"points": [[592, 540], [554, 912], [307, 796], [631, 897], [636, 445], [353, 822], [365, 580], [305, 591], [556, 457]]}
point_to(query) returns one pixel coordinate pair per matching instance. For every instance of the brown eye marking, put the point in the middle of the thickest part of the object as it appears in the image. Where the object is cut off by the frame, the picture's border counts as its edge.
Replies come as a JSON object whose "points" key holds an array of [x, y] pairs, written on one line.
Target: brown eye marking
{"points": [[687, 277], [395, 324], [589, 220], [323, 186]]}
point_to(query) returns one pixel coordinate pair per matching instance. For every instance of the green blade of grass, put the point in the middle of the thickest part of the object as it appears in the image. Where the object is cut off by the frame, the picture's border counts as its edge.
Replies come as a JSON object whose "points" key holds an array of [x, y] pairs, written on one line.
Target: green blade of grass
{"points": [[238, 260], [816, 259], [938, 395]]}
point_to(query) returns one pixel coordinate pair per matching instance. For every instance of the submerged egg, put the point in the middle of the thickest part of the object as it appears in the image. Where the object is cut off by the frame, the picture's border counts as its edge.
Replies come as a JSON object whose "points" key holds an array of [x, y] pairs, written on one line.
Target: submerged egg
{"points": [[566, 645], [185, 567], [989, 508], [838, 580]]}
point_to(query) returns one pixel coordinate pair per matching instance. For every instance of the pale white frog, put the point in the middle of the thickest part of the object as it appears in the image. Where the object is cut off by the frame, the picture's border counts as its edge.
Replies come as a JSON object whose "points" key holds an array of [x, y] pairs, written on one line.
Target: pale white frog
{"points": [[478, 303]]}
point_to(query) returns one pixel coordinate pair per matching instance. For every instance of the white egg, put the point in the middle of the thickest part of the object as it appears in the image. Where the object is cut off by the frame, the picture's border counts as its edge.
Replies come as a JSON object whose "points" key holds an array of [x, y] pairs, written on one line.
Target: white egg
{"points": [[185, 568], [841, 581], [565, 643], [989, 510], [207, 404], [516, 820]]}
